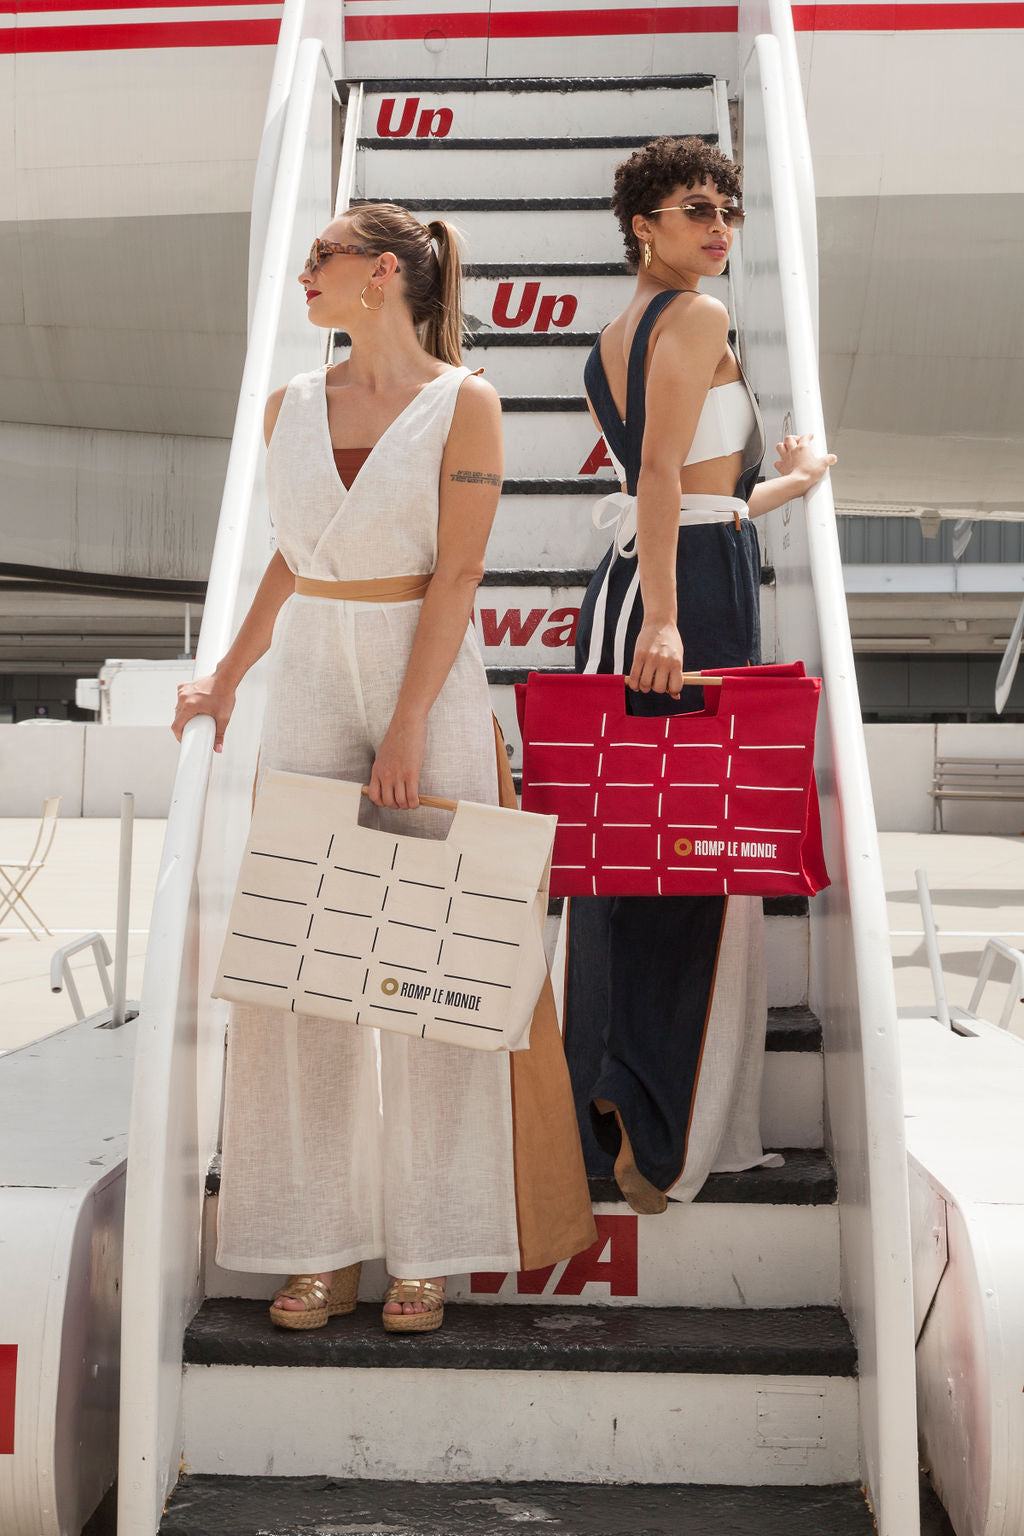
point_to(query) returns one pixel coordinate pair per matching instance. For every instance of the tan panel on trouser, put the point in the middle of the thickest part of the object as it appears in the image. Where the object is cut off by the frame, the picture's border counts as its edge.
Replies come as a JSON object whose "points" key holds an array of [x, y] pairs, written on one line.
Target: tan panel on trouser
{"points": [[553, 1210]]}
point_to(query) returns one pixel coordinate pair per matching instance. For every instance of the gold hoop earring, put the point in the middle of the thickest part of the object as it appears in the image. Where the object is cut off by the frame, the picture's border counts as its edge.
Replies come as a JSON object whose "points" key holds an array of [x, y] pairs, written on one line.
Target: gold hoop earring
{"points": [[647, 254], [374, 309]]}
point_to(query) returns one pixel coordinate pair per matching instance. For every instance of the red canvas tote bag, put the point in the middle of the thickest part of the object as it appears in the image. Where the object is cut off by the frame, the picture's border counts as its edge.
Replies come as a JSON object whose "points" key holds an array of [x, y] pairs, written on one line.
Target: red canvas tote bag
{"points": [[721, 801]]}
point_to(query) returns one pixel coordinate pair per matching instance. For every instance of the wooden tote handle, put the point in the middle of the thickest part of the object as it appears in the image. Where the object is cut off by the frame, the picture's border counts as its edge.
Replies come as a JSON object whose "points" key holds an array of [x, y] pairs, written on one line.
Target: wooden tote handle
{"points": [[429, 800], [695, 680]]}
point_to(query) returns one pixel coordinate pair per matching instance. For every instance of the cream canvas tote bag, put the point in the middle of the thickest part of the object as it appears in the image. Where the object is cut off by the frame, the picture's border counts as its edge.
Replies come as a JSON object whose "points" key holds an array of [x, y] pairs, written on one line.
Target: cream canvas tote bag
{"points": [[440, 939]]}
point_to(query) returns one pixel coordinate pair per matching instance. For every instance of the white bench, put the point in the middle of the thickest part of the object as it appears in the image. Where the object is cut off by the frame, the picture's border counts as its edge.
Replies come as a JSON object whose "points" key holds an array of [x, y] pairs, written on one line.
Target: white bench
{"points": [[975, 778]]}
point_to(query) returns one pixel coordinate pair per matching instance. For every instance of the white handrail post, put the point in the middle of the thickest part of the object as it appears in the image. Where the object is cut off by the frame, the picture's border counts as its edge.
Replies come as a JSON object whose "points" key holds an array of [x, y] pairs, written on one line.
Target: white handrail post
{"points": [[931, 944], [124, 894]]}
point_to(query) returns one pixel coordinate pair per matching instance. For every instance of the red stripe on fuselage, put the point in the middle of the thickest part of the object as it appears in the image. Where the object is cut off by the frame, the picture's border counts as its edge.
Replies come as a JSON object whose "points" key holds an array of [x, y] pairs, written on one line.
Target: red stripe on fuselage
{"points": [[46, 7], [971, 17], [645, 20], [155, 34], [8, 1392], [983, 15]]}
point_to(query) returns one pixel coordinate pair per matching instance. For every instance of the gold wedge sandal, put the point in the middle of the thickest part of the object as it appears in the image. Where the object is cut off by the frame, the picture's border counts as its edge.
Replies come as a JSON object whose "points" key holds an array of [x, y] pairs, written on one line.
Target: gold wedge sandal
{"points": [[320, 1300], [408, 1291]]}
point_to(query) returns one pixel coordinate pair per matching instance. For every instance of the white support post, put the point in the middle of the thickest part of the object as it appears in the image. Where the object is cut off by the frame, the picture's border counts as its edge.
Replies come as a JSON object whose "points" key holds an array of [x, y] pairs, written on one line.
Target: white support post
{"points": [[931, 943], [124, 894]]}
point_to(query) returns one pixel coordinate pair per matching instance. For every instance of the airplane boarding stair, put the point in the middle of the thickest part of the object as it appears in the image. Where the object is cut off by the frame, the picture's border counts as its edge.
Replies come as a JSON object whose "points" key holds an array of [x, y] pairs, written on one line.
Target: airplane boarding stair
{"points": [[692, 1372]]}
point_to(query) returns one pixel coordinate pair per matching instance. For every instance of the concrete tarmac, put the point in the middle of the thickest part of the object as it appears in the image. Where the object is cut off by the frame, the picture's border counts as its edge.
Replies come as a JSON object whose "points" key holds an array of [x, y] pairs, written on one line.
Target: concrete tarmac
{"points": [[75, 893], [977, 886]]}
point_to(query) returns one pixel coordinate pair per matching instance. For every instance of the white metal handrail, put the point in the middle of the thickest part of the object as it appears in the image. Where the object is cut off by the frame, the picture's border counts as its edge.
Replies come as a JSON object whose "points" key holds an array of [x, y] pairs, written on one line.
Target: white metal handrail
{"points": [[852, 978], [172, 1127]]}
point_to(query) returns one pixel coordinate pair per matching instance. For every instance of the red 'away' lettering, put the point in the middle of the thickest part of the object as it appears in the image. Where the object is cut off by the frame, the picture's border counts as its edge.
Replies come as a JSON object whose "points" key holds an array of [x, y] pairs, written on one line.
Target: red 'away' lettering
{"points": [[598, 459], [610, 1261], [511, 623]]}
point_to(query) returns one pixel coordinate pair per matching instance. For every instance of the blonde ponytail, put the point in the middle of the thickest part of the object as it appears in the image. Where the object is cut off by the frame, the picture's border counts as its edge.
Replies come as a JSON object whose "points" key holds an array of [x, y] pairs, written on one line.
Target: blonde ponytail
{"points": [[432, 281], [442, 334]]}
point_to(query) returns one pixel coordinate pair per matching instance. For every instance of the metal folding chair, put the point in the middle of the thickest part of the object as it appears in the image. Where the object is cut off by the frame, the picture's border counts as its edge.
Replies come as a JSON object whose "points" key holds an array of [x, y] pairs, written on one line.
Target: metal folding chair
{"points": [[17, 874]]}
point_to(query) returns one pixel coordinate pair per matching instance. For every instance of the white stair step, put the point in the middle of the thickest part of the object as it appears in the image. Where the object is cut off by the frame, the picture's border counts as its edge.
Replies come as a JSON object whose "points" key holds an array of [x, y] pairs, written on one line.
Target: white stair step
{"points": [[780, 1249], [555, 232], [555, 532], [531, 363], [460, 110], [519, 362], [535, 300], [529, 299], [516, 1393], [437, 168], [560, 444], [527, 619], [700, 1255]]}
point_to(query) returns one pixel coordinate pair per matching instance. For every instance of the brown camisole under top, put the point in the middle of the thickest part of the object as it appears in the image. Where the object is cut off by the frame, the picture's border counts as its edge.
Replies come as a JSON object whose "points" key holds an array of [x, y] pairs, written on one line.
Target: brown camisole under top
{"points": [[349, 462]]}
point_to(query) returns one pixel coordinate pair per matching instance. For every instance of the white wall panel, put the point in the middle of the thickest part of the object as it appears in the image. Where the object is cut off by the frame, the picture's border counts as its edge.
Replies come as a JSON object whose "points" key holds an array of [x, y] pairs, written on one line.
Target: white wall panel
{"points": [[89, 766], [142, 759], [122, 502], [8, 135], [903, 114], [150, 131], [39, 759], [900, 761]]}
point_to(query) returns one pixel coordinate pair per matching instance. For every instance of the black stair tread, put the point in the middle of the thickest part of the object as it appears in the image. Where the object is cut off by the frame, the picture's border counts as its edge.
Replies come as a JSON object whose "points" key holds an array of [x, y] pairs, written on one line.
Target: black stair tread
{"points": [[498, 204], [563, 143], [518, 270], [567, 576], [530, 339], [560, 485], [774, 906], [544, 402], [205, 1505], [807, 1178], [792, 1029], [481, 338], [784, 1341], [550, 84]]}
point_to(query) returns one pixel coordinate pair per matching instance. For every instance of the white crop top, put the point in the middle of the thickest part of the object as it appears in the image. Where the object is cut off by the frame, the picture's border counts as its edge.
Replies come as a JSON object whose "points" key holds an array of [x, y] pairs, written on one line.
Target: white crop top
{"points": [[724, 425]]}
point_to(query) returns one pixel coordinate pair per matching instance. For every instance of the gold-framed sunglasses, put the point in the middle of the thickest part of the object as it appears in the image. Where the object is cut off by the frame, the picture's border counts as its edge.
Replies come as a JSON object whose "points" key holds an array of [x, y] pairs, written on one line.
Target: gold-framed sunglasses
{"points": [[321, 249], [707, 213]]}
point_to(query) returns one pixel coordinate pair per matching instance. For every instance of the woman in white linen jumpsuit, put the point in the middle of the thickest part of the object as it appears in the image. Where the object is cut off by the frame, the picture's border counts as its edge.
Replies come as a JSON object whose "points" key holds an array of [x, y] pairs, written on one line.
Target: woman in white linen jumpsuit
{"points": [[383, 475]]}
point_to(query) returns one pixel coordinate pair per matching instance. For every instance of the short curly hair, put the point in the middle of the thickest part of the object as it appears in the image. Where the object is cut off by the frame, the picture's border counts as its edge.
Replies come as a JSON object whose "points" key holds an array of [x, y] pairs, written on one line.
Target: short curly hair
{"points": [[644, 180]]}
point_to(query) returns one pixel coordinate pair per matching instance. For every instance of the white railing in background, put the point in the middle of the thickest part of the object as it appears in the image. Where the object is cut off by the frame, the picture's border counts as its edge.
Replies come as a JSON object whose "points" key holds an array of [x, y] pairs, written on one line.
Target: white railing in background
{"points": [[179, 1056], [995, 948], [851, 983]]}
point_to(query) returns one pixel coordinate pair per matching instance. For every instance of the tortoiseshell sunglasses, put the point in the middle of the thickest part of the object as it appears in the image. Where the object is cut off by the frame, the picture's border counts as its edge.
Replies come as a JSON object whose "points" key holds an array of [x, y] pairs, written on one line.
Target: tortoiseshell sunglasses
{"points": [[321, 249]]}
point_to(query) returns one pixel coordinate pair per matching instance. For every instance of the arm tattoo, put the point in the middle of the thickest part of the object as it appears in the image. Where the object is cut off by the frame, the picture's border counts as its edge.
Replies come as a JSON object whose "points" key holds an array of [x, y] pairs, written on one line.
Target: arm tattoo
{"points": [[474, 477]]}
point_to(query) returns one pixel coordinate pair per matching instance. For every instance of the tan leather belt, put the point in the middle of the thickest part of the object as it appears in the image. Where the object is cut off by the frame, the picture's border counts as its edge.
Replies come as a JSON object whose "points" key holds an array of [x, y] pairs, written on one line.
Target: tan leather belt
{"points": [[389, 589]]}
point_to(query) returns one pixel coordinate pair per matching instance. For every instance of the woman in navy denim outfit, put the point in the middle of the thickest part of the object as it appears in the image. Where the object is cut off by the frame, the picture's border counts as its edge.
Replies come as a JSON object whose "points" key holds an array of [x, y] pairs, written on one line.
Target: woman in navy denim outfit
{"points": [[665, 1005]]}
